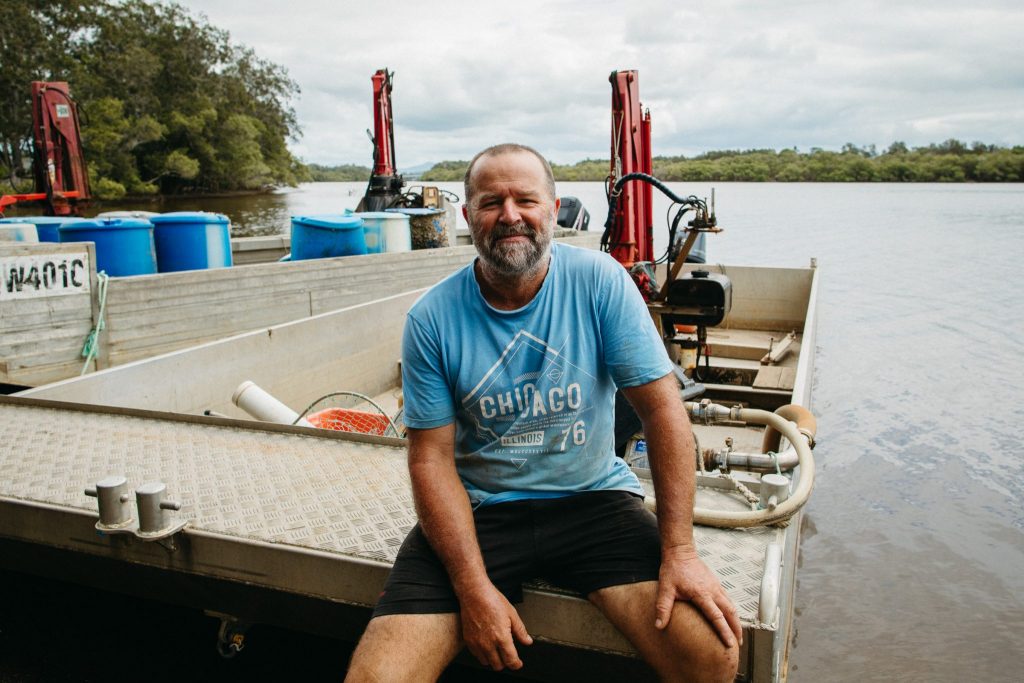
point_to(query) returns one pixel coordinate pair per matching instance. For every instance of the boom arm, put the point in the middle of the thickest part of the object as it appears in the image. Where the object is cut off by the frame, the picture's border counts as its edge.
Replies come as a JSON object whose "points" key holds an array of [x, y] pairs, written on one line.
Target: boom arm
{"points": [[383, 125], [632, 237], [385, 185], [59, 166]]}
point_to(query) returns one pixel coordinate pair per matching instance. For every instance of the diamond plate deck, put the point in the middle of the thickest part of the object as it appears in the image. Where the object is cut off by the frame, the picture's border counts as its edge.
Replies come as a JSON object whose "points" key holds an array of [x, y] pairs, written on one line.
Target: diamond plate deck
{"points": [[305, 492]]}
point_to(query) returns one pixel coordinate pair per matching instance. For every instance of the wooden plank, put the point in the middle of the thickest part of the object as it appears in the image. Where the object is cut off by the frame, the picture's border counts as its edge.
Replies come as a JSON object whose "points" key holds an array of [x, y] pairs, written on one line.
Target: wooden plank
{"points": [[37, 376], [199, 319], [775, 377], [779, 350], [56, 304], [17, 342], [150, 295]]}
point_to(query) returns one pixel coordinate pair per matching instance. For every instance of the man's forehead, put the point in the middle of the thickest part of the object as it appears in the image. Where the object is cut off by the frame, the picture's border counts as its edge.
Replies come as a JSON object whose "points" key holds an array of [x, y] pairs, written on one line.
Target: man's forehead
{"points": [[519, 169]]}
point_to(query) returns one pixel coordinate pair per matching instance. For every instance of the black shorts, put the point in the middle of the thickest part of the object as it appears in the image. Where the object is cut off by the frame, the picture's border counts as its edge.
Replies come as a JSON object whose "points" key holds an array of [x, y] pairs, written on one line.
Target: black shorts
{"points": [[582, 543]]}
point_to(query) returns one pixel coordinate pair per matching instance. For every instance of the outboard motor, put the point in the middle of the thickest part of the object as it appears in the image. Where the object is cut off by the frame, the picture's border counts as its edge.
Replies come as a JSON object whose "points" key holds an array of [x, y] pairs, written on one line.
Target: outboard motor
{"points": [[573, 214]]}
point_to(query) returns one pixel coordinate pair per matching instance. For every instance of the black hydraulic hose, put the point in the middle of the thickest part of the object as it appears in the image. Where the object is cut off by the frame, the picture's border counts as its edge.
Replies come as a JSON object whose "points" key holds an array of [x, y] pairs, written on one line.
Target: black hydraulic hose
{"points": [[616, 192], [672, 233]]}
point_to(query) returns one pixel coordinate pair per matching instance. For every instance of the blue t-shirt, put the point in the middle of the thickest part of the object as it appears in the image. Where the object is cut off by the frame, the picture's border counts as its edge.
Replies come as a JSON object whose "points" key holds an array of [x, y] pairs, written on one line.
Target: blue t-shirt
{"points": [[532, 391]]}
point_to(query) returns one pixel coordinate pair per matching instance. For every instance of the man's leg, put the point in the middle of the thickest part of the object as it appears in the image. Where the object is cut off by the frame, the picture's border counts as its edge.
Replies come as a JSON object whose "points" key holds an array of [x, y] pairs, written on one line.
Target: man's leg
{"points": [[406, 647], [688, 649]]}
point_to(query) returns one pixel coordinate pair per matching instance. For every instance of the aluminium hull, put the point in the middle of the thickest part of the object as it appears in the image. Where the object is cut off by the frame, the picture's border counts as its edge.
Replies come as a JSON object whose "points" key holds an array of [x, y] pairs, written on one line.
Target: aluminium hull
{"points": [[314, 518]]}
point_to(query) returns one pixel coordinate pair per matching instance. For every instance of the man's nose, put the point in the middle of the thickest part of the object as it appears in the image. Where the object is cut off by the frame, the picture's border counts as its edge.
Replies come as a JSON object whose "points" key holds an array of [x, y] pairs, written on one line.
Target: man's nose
{"points": [[509, 211]]}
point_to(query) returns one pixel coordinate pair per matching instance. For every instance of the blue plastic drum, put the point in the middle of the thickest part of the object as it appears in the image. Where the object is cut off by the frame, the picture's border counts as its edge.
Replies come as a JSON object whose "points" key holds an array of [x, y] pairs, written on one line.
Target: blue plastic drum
{"points": [[385, 231], [123, 247], [191, 240], [46, 226], [326, 236]]}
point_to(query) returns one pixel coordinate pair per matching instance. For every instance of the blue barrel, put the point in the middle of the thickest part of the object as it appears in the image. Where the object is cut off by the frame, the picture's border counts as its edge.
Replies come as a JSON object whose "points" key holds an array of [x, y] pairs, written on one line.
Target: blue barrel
{"points": [[326, 236], [123, 247], [191, 240], [46, 226], [381, 228]]}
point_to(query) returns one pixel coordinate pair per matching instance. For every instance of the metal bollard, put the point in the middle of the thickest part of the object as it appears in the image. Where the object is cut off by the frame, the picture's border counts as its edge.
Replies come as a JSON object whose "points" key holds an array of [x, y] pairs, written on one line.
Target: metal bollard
{"points": [[111, 494], [154, 522]]}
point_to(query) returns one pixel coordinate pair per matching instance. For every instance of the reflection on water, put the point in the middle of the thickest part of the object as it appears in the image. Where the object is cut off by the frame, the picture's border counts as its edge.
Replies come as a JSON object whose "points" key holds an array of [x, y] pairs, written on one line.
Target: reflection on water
{"points": [[912, 564]]}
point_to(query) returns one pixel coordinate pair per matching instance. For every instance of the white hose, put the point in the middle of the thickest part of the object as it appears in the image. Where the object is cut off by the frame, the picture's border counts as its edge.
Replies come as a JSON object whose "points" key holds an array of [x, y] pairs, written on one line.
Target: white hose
{"points": [[785, 510]]}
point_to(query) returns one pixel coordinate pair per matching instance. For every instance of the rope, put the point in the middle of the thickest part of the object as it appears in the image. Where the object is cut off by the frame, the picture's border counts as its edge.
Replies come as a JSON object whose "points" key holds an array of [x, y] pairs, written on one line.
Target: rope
{"points": [[751, 497], [92, 341]]}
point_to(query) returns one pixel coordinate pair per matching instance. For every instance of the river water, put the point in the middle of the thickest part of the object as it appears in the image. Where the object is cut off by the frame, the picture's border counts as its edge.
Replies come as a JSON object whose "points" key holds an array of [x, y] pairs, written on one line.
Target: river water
{"points": [[912, 562]]}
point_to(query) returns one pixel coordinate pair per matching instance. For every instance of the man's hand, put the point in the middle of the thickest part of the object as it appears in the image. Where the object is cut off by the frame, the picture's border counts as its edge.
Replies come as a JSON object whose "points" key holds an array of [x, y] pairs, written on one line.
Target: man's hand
{"points": [[489, 623], [684, 576]]}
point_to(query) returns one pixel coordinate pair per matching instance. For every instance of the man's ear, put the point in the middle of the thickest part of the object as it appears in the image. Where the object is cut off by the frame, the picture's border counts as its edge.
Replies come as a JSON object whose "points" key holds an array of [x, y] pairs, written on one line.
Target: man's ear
{"points": [[465, 212], [558, 205]]}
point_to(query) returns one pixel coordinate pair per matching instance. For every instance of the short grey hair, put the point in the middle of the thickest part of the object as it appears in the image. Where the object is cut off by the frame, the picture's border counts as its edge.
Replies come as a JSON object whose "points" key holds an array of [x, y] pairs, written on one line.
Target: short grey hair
{"points": [[509, 148]]}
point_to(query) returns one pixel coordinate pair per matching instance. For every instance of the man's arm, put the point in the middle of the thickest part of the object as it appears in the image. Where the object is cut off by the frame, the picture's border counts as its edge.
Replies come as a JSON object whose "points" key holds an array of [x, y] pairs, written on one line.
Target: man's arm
{"points": [[670, 447], [489, 621]]}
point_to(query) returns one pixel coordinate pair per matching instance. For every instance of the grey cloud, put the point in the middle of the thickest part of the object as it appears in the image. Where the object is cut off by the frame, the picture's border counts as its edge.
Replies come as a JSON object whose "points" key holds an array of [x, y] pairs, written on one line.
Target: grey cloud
{"points": [[725, 74]]}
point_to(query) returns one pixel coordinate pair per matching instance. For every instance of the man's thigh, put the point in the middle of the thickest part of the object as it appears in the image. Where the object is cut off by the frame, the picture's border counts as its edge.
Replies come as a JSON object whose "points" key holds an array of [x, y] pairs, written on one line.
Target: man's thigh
{"points": [[419, 583], [599, 539], [406, 647]]}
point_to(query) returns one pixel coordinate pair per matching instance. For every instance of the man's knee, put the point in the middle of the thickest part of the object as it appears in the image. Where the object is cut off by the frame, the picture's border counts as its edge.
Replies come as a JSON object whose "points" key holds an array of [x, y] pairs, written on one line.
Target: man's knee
{"points": [[697, 653], [717, 662], [682, 662]]}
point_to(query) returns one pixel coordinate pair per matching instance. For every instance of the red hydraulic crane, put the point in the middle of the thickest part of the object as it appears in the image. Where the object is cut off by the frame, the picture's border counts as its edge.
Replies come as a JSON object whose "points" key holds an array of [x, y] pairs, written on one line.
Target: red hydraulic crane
{"points": [[385, 186], [629, 230], [633, 238], [59, 166]]}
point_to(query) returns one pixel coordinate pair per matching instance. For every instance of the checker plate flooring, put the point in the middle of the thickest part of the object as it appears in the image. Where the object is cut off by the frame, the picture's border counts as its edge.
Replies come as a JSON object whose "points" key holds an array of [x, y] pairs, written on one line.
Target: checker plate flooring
{"points": [[331, 495]]}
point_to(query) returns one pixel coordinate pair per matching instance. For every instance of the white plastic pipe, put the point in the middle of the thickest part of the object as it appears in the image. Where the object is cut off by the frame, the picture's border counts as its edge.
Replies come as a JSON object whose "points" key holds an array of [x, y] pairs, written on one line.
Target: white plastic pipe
{"points": [[261, 405], [786, 509]]}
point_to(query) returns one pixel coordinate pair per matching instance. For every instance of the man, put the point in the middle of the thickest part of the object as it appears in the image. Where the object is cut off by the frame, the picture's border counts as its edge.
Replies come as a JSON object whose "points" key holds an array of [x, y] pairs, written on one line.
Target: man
{"points": [[509, 372]]}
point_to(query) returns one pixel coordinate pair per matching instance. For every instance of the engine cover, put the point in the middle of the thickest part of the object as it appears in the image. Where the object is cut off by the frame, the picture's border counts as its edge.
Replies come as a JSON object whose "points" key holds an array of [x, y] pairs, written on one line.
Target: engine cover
{"points": [[700, 298]]}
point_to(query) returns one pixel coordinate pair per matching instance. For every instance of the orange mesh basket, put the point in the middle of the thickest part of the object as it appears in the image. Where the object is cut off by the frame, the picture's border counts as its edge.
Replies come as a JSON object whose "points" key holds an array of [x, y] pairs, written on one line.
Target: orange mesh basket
{"points": [[347, 420]]}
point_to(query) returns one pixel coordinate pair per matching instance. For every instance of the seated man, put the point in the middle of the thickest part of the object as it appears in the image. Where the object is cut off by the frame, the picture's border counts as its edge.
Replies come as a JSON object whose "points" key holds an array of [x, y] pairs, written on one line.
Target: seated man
{"points": [[509, 369]]}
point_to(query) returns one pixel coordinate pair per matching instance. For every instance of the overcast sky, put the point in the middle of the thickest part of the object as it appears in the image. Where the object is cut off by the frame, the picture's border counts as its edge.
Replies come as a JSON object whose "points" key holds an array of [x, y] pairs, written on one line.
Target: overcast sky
{"points": [[727, 74]]}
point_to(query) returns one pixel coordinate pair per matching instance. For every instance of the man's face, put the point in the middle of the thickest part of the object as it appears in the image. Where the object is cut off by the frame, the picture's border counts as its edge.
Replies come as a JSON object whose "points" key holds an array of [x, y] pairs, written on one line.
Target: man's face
{"points": [[511, 214]]}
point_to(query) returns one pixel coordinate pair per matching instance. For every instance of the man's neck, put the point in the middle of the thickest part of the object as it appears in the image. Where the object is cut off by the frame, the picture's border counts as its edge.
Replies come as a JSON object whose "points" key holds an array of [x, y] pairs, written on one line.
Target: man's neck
{"points": [[508, 293]]}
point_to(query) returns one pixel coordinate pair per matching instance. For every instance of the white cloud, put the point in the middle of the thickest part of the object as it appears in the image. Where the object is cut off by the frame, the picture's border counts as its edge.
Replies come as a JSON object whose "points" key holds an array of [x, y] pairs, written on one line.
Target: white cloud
{"points": [[727, 74]]}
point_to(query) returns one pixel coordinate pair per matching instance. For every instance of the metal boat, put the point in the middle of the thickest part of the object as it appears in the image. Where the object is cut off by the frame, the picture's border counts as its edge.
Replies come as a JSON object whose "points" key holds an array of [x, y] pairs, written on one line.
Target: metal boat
{"points": [[286, 522]]}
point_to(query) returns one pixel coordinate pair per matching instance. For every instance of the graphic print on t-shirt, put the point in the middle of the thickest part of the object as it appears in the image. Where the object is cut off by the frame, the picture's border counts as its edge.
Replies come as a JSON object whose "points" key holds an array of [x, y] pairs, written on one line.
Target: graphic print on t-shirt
{"points": [[532, 401]]}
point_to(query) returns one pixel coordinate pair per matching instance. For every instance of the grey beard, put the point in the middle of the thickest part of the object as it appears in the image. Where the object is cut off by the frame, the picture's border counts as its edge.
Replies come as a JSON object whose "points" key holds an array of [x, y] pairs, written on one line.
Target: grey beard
{"points": [[515, 259]]}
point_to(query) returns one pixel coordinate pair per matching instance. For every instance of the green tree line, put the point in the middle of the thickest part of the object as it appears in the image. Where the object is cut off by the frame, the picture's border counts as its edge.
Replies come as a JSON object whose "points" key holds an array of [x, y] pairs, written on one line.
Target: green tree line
{"points": [[950, 161], [168, 104], [335, 174]]}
